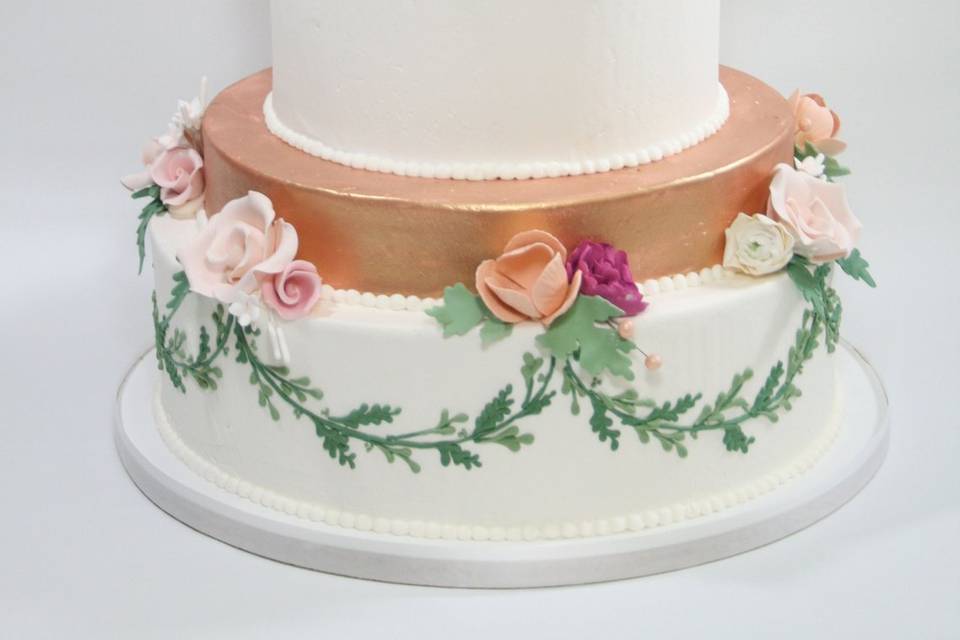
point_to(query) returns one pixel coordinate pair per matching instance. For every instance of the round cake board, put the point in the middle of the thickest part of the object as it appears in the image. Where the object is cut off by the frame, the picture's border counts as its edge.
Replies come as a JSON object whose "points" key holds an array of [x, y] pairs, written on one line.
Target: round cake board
{"points": [[849, 465]]}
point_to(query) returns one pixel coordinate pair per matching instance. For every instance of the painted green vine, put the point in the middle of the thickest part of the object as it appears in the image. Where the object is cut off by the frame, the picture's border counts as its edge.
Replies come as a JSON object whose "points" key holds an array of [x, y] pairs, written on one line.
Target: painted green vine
{"points": [[454, 438], [152, 209], [582, 347], [587, 345]]}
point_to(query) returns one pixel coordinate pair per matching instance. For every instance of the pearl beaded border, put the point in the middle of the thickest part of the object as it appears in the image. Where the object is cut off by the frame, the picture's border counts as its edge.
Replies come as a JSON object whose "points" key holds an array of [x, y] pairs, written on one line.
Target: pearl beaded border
{"points": [[635, 522], [502, 171], [400, 302]]}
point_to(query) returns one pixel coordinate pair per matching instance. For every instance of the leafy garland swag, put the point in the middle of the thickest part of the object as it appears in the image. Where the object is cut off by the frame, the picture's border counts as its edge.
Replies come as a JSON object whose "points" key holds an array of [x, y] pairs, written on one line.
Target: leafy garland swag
{"points": [[582, 346], [449, 438]]}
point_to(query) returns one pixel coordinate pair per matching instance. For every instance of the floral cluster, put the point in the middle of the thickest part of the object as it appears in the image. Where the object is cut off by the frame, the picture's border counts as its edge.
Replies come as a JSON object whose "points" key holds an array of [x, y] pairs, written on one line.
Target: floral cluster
{"points": [[245, 256], [807, 214], [534, 279], [174, 161]]}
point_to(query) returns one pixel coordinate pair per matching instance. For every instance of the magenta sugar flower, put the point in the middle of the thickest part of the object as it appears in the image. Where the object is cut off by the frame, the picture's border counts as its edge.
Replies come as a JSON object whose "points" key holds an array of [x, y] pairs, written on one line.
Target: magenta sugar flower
{"points": [[606, 273]]}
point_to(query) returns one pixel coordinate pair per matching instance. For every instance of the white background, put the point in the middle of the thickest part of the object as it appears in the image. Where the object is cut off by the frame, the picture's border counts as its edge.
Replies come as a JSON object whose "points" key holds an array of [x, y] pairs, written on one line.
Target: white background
{"points": [[84, 554]]}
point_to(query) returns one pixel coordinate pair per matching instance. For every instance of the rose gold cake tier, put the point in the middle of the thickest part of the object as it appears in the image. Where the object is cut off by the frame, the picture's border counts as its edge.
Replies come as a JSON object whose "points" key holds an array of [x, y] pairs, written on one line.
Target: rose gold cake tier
{"points": [[390, 234]]}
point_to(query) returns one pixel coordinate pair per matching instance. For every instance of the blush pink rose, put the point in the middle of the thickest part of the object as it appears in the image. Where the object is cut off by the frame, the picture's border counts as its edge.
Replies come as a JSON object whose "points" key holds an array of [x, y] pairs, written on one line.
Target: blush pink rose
{"points": [[179, 173], [816, 123], [529, 281], [815, 212], [148, 155], [239, 248], [293, 292]]}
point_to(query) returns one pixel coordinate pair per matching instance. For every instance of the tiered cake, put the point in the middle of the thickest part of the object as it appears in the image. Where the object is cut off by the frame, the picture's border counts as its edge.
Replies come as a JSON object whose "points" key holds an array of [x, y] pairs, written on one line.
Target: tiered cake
{"points": [[497, 271]]}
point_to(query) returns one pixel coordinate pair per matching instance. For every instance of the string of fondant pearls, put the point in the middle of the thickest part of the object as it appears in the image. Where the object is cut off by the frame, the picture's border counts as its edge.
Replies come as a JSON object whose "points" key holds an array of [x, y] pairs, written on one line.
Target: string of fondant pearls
{"points": [[503, 171], [632, 522], [400, 302]]}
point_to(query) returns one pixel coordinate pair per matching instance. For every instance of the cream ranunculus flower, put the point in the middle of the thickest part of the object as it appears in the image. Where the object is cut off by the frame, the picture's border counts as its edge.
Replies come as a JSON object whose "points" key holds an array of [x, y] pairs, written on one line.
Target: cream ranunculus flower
{"points": [[757, 245]]}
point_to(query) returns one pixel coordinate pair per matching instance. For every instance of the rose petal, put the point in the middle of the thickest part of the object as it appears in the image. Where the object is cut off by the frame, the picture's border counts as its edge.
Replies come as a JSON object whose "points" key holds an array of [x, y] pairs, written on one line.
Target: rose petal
{"points": [[137, 181], [255, 209], [572, 293], [830, 147], [535, 236], [550, 289], [525, 264], [284, 244], [513, 298], [188, 210], [487, 269]]}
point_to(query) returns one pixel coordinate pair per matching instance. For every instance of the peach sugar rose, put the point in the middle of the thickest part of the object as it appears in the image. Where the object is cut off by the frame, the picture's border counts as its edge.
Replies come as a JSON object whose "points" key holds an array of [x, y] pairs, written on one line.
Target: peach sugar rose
{"points": [[529, 281], [816, 124]]}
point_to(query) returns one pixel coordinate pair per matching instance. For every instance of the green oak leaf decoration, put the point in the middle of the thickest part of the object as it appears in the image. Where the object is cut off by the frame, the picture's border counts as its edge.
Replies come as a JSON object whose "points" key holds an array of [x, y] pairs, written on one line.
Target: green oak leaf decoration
{"points": [[462, 311], [584, 332], [857, 268]]}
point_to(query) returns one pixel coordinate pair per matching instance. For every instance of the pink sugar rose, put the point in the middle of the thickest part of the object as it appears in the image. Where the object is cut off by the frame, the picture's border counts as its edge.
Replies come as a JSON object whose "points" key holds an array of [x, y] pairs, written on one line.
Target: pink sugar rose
{"points": [[606, 273], [178, 170], [529, 281], [238, 249], [815, 212], [816, 123], [148, 155], [293, 292], [179, 173]]}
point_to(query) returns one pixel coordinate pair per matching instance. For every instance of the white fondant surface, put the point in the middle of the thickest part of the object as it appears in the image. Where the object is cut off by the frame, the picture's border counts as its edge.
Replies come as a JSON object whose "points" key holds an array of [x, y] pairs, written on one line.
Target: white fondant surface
{"points": [[213, 507], [495, 89], [565, 484]]}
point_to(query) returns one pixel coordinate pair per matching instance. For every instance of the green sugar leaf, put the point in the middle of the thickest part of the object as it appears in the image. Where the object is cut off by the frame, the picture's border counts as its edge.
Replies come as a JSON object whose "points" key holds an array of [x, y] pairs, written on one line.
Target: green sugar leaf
{"points": [[460, 312], [800, 273], [833, 169], [857, 268], [600, 347], [494, 330]]}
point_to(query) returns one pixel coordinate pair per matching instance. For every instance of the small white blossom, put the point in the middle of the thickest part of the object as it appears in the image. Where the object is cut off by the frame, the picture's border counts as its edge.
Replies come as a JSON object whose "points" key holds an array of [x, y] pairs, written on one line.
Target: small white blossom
{"points": [[244, 307], [812, 165], [186, 119]]}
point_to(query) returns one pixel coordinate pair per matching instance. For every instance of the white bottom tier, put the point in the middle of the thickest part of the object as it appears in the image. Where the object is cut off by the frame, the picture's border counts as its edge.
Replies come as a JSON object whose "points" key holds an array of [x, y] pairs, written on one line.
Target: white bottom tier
{"points": [[844, 470], [566, 482]]}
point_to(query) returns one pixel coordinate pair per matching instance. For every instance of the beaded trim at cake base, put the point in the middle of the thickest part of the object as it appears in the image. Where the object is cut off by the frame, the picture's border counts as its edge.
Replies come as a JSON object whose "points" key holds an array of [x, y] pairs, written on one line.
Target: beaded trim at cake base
{"points": [[418, 528]]}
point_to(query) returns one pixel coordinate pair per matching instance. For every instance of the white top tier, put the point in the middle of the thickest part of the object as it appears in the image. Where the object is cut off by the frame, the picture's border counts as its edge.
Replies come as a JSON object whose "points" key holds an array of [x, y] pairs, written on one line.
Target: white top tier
{"points": [[485, 89]]}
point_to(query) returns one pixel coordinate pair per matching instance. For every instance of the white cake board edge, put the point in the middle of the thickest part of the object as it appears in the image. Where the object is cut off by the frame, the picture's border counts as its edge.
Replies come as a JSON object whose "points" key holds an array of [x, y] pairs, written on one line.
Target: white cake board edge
{"points": [[850, 464]]}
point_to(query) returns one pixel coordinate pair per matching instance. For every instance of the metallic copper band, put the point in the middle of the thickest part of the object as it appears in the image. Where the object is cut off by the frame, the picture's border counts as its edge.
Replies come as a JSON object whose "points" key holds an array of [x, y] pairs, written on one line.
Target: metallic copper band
{"points": [[390, 234]]}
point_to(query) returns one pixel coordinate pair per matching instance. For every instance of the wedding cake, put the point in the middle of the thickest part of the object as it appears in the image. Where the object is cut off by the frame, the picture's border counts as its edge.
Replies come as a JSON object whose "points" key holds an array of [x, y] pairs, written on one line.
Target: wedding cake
{"points": [[497, 271]]}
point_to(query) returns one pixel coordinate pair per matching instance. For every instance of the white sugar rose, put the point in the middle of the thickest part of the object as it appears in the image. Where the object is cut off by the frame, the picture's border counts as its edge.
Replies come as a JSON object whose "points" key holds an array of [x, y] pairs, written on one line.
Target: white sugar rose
{"points": [[757, 245], [238, 249], [815, 212]]}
